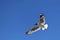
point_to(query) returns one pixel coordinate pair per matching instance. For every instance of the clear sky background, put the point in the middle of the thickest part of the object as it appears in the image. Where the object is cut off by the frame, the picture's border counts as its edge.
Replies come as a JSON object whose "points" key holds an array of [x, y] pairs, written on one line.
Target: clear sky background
{"points": [[18, 16]]}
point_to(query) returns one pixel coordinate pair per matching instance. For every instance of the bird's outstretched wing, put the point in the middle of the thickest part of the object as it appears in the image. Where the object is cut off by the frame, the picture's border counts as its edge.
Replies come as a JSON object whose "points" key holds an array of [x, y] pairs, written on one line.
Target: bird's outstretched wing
{"points": [[36, 28], [42, 19]]}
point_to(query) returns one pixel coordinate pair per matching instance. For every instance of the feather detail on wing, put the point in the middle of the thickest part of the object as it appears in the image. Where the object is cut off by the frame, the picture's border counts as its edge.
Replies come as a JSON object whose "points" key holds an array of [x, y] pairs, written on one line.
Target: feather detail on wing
{"points": [[33, 30]]}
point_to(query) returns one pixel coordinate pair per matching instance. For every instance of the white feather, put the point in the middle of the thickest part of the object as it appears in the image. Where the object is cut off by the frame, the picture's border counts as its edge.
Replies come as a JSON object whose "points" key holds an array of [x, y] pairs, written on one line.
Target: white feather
{"points": [[45, 27]]}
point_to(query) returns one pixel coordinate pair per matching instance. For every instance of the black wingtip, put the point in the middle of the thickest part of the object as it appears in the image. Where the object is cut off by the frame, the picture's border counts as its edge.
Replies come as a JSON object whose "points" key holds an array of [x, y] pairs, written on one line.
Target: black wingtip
{"points": [[26, 33], [41, 14]]}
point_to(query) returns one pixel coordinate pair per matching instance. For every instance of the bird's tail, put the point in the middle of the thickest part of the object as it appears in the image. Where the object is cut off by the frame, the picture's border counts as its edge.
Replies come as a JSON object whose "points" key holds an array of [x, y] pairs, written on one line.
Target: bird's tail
{"points": [[45, 27]]}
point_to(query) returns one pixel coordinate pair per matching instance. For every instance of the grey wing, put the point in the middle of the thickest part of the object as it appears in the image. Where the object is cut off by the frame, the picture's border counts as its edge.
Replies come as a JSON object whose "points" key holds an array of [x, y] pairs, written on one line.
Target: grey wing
{"points": [[36, 28]]}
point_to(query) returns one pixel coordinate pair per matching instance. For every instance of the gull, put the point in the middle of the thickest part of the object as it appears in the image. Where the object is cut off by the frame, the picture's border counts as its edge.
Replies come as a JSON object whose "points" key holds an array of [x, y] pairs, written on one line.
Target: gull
{"points": [[38, 26]]}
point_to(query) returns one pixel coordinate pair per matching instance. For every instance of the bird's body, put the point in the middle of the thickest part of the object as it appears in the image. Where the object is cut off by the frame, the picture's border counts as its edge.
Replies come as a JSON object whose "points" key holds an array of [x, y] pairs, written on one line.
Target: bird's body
{"points": [[38, 26]]}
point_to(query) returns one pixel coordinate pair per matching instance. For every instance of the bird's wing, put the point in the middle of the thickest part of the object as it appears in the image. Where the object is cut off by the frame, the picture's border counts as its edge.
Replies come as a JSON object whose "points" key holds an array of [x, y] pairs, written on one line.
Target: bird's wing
{"points": [[36, 28], [42, 19]]}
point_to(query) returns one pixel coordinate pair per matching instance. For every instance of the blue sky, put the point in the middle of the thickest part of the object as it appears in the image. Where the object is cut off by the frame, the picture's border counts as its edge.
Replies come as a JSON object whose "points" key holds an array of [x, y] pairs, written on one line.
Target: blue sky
{"points": [[18, 16]]}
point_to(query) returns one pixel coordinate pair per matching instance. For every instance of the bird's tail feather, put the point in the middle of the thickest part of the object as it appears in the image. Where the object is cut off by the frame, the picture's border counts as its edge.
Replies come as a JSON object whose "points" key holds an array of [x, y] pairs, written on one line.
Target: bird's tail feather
{"points": [[45, 27]]}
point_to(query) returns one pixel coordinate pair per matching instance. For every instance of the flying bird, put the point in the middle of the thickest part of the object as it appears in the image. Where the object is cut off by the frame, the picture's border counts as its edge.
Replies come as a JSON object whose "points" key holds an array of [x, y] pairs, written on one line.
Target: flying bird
{"points": [[38, 26]]}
